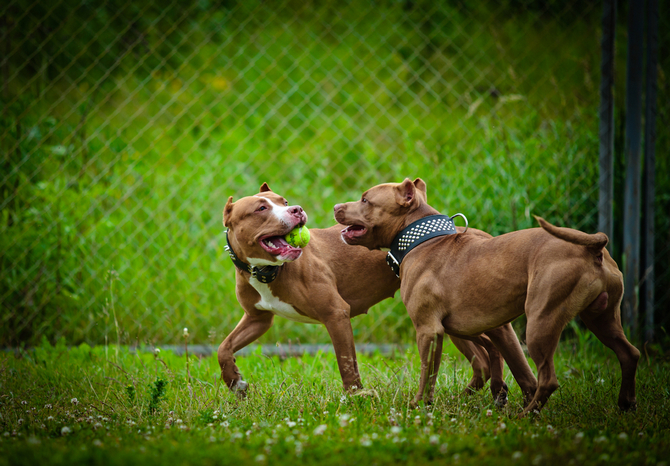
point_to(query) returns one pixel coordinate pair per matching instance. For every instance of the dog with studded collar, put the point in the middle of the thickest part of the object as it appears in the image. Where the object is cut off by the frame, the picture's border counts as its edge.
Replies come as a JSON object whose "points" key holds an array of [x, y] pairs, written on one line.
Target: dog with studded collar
{"points": [[326, 282], [464, 285]]}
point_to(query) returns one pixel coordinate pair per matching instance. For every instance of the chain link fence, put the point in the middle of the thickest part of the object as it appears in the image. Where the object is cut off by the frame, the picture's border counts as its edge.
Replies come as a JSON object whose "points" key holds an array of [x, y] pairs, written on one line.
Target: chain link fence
{"points": [[126, 126]]}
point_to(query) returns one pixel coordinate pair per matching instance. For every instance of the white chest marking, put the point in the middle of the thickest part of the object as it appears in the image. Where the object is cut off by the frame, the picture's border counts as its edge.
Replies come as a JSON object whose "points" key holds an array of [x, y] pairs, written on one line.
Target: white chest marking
{"points": [[270, 302]]}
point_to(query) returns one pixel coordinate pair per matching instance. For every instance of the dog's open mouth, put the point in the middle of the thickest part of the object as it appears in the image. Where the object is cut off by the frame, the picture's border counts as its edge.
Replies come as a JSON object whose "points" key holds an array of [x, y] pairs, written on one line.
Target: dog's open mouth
{"points": [[277, 246], [354, 231]]}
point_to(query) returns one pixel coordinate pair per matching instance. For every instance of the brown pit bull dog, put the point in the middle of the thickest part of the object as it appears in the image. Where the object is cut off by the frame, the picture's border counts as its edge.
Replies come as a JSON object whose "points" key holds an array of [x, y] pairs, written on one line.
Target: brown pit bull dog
{"points": [[463, 284], [331, 283]]}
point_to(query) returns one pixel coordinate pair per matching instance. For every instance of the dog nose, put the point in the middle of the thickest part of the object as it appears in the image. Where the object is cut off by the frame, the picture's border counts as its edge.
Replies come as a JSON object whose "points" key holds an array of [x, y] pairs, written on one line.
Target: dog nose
{"points": [[295, 210], [337, 207]]}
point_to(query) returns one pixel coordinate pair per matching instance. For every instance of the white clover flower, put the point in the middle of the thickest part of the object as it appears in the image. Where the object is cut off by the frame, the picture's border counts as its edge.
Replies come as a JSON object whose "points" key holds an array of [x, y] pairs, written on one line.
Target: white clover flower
{"points": [[344, 419], [225, 424], [503, 426], [489, 413], [396, 430], [623, 436], [65, 430], [517, 455], [550, 428], [157, 351], [579, 436], [433, 439], [260, 458], [24, 402], [600, 439], [453, 419], [417, 420], [20, 421], [97, 443], [365, 441], [50, 418], [178, 421], [320, 429], [47, 406], [291, 423], [343, 399], [186, 334], [183, 427], [74, 401], [5, 434]]}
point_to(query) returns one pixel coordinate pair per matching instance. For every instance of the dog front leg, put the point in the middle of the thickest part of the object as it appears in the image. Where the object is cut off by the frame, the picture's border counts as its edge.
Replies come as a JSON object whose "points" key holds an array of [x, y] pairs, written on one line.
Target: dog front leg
{"points": [[429, 339], [249, 329], [338, 325]]}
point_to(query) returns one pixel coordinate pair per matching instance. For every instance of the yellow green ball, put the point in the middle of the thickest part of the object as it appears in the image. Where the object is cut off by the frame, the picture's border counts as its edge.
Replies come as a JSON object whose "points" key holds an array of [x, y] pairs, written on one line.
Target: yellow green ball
{"points": [[299, 237]]}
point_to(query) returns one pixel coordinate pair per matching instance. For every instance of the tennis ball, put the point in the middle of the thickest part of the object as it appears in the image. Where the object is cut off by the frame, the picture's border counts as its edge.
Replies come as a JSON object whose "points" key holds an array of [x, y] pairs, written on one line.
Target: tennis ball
{"points": [[299, 237]]}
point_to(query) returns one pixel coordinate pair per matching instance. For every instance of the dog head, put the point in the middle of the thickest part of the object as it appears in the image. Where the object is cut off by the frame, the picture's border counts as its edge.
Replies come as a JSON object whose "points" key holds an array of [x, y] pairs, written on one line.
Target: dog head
{"points": [[381, 213], [257, 225]]}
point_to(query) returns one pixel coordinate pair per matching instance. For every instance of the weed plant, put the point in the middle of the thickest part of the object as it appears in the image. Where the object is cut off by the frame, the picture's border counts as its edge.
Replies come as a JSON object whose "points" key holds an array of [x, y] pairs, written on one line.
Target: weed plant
{"points": [[63, 405]]}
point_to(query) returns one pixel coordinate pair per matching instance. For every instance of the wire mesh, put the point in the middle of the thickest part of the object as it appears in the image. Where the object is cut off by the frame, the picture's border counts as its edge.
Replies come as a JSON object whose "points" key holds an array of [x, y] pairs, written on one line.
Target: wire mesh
{"points": [[126, 126]]}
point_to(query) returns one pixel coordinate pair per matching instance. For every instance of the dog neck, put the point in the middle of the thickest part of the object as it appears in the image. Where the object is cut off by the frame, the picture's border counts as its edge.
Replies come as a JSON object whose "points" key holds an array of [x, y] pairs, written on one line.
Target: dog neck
{"points": [[423, 210], [264, 274]]}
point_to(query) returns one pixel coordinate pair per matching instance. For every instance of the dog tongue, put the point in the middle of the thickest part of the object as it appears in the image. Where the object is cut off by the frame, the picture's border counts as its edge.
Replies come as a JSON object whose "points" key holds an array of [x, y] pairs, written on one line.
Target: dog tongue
{"points": [[278, 242]]}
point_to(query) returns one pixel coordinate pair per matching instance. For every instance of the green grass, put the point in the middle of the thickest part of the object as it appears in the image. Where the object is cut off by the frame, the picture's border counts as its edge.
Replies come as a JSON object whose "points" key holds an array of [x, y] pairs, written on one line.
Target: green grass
{"points": [[79, 405]]}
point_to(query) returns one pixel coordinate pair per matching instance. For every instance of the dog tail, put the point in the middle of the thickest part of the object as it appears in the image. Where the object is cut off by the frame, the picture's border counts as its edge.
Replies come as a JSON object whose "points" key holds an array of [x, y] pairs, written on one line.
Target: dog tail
{"points": [[594, 243]]}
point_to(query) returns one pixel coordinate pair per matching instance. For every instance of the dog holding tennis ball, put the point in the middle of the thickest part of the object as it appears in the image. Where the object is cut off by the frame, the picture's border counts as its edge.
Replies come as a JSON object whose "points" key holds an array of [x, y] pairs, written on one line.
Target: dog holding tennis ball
{"points": [[282, 268], [298, 237]]}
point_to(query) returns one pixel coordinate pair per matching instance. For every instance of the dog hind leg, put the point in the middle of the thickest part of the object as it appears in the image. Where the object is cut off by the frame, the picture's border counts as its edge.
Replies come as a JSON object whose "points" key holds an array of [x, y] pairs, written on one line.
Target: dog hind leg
{"points": [[607, 327], [543, 335], [508, 344], [479, 361]]}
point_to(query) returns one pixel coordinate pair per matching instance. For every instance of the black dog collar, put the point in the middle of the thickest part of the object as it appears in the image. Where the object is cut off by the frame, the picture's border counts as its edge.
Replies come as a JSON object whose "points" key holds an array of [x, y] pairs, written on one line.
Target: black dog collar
{"points": [[265, 274], [418, 232]]}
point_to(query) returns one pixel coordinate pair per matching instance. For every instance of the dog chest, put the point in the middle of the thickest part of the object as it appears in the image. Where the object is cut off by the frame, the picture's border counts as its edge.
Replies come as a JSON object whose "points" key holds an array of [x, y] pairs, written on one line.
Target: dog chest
{"points": [[271, 303]]}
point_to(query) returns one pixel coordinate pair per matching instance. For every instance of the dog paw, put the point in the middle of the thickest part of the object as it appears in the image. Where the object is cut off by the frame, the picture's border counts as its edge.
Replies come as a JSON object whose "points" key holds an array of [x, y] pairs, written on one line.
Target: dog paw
{"points": [[240, 388], [627, 406], [370, 393]]}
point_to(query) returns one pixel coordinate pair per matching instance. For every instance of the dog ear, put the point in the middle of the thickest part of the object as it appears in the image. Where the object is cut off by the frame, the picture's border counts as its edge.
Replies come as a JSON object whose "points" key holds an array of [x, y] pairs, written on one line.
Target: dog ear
{"points": [[227, 211], [265, 188], [405, 193], [420, 185]]}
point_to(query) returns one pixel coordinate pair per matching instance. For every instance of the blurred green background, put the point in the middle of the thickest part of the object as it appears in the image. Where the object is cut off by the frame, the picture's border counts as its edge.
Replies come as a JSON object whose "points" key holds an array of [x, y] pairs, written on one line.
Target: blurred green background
{"points": [[126, 125]]}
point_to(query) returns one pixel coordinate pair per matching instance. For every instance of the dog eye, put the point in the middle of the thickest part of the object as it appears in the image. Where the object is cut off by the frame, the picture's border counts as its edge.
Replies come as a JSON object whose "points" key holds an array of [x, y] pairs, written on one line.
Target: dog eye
{"points": [[364, 201], [261, 208], [286, 203]]}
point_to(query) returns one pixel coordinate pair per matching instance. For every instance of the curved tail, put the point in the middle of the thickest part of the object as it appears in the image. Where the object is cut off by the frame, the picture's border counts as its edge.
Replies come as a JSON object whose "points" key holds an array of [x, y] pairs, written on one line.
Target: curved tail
{"points": [[595, 243]]}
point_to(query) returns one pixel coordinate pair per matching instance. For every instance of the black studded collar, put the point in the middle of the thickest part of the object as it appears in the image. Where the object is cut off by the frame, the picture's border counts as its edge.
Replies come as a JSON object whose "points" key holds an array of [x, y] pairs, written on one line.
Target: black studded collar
{"points": [[264, 274], [418, 232]]}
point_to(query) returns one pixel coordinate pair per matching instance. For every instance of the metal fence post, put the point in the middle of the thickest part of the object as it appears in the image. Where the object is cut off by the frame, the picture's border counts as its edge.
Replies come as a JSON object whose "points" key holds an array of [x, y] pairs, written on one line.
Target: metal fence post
{"points": [[631, 227], [606, 176], [648, 178]]}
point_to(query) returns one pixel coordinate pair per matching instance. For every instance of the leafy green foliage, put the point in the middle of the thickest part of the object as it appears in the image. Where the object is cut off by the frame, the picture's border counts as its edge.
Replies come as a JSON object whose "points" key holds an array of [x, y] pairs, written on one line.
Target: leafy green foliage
{"points": [[128, 126], [157, 393]]}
